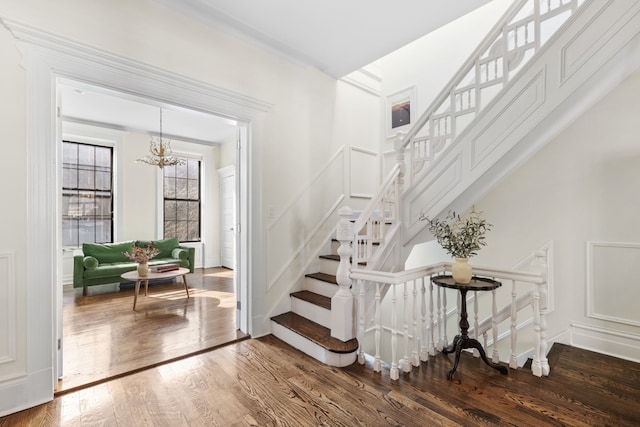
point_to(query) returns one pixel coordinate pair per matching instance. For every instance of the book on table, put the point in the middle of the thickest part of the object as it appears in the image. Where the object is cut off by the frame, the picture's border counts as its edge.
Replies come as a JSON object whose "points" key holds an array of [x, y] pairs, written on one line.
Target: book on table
{"points": [[163, 268]]}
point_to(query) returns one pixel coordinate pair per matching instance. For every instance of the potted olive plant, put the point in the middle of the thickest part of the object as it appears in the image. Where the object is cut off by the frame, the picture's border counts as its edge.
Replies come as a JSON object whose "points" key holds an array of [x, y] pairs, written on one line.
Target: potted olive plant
{"points": [[461, 237]]}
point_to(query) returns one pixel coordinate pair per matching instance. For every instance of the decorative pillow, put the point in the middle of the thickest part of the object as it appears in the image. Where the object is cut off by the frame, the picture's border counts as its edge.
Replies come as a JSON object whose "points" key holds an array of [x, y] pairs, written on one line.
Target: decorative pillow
{"points": [[108, 252], [179, 253], [90, 263], [164, 245]]}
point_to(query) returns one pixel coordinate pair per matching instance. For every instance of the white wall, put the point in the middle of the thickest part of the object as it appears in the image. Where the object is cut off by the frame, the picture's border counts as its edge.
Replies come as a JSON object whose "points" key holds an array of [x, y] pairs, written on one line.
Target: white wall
{"points": [[578, 189], [13, 227]]}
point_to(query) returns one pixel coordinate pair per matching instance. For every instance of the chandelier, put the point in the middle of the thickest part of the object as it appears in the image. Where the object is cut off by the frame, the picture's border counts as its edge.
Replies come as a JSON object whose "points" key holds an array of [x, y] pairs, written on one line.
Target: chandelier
{"points": [[161, 153]]}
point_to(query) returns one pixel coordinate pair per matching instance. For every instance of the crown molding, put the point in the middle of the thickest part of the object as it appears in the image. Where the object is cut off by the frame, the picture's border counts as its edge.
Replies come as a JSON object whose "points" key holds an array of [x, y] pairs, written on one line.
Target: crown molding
{"points": [[198, 94]]}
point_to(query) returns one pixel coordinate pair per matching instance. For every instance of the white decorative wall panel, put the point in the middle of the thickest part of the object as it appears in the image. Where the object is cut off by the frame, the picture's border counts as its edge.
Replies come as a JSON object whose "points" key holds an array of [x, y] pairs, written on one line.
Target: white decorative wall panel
{"points": [[364, 175], [497, 133], [585, 43], [613, 282], [8, 304]]}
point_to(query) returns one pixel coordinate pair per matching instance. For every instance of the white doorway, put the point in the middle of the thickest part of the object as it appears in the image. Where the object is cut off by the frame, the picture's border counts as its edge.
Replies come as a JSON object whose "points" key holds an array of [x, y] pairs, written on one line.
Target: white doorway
{"points": [[46, 62]]}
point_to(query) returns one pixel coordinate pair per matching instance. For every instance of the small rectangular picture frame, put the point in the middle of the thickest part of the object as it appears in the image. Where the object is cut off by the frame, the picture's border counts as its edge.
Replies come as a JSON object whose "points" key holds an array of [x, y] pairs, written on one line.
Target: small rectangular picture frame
{"points": [[400, 111]]}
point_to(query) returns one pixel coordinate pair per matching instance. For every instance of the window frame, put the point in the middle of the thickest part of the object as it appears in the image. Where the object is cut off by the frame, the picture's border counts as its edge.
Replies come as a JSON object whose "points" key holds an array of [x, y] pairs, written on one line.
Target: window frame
{"points": [[79, 190], [186, 199]]}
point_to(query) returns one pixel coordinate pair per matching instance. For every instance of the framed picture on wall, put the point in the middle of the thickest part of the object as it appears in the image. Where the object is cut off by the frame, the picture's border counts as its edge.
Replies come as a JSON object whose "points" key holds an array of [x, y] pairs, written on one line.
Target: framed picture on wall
{"points": [[400, 111]]}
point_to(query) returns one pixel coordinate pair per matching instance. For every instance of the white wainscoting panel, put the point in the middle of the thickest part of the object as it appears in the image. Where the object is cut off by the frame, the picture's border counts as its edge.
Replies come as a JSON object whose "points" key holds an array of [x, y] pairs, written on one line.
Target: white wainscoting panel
{"points": [[290, 233], [613, 277], [364, 176], [8, 303]]}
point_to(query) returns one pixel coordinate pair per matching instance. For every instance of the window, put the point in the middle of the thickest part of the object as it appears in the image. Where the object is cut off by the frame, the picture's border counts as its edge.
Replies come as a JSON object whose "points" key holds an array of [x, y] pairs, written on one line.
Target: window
{"points": [[182, 201], [87, 195]]}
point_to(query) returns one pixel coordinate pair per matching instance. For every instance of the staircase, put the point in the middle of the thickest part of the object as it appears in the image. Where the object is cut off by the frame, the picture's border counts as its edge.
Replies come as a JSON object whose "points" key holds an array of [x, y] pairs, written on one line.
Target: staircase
{"points": [[465, 143], [307, 326]]}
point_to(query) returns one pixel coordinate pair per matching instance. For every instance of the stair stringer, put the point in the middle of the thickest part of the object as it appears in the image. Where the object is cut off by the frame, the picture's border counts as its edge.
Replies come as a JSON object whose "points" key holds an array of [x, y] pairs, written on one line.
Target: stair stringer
{"points": [[593, 53]]}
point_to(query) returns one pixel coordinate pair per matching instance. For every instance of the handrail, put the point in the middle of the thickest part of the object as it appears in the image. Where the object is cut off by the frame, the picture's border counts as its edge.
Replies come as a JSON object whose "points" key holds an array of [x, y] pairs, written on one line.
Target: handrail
{"points": [[419, 327], [393, 278]]}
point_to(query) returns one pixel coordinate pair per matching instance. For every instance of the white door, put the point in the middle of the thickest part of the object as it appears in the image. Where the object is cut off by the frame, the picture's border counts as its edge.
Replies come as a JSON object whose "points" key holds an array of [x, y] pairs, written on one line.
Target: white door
{"points": [[228, 217]]}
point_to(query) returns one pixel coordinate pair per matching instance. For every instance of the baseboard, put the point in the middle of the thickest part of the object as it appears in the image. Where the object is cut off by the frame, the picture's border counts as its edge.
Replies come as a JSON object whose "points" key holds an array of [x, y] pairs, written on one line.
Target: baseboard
{"points": [[621, 344], [26, 392]]}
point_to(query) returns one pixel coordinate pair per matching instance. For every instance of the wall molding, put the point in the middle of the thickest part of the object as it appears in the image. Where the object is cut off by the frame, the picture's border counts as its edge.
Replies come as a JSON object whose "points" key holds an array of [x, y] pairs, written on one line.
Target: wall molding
{"points": [[147, 79], [593, 282], [364, 154], [8, 312], [613, 342]]}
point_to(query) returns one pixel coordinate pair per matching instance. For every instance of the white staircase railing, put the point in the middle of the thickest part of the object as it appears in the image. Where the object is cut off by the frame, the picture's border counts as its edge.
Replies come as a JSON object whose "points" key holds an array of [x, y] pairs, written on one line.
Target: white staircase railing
{"points": [[515, 39], [417, 326]]}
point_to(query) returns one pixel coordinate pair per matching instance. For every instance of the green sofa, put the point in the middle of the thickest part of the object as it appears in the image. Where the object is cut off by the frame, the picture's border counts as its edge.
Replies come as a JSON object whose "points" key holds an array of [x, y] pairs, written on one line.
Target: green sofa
{"points": [[98, 264]]}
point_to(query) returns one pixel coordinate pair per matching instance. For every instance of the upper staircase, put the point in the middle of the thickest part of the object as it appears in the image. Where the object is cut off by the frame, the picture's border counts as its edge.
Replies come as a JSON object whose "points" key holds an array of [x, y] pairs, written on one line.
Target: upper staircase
{"points": [[544, 64]]}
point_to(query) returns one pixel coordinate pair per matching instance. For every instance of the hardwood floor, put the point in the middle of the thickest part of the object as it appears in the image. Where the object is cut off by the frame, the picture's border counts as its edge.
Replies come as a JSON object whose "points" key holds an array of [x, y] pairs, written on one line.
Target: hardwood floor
{"points": [[264, 382], [104, 338]]}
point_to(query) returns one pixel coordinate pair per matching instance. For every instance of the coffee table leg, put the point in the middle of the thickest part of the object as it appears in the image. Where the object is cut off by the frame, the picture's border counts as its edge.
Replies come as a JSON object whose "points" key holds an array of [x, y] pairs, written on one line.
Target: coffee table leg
{"points": [[146, 287], [186, 288], [135, 294]]}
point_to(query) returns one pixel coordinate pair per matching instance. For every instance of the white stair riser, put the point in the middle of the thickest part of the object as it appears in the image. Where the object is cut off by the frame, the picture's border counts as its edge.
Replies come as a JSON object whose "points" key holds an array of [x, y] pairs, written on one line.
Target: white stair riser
{"points": [[320, 287], [311, 348], [327, 266], [311, 311]]}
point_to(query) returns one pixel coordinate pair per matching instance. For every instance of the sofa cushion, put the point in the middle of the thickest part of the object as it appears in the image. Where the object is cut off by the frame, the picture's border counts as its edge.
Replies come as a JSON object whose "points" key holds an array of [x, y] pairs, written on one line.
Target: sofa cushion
{"points": [[165, 246], [114, 270], [90, 262], [108, 252]]}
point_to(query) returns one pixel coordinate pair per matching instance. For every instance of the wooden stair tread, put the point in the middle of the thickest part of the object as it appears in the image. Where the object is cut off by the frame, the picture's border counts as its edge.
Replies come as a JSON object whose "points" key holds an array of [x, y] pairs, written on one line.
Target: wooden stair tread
{"points": [[315, 333], [329, 278], [313, 298], [334, 257]]}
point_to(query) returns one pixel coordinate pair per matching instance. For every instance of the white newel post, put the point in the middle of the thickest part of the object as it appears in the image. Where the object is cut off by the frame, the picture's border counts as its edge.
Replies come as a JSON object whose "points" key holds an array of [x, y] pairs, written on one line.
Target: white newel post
{"points": [[342, 302]]}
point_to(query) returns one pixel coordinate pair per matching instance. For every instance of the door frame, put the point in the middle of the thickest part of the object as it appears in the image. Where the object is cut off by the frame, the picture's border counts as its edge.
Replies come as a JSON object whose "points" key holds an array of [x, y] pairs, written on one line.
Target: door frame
{"points": [[49, 58]]}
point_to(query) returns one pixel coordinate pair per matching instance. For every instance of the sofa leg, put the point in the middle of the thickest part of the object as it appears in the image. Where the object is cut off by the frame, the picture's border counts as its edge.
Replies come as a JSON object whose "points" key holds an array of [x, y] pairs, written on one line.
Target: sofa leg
{"points": [[85, 291]]}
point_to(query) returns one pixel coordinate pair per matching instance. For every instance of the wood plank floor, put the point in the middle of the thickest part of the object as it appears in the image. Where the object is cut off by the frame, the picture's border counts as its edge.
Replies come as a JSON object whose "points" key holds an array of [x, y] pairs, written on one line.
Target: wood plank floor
{"points": [[264, 382], [105, 338]]}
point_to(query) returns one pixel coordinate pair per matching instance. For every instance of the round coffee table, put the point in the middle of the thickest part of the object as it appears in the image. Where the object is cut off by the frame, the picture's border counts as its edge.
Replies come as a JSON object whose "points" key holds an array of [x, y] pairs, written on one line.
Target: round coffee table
{"points": [[133, 276]]}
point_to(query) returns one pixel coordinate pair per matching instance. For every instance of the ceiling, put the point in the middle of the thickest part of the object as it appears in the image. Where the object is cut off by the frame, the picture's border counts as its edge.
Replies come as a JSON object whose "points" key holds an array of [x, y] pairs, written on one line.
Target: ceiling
{"points": [[334, 36], [96, 106]]}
